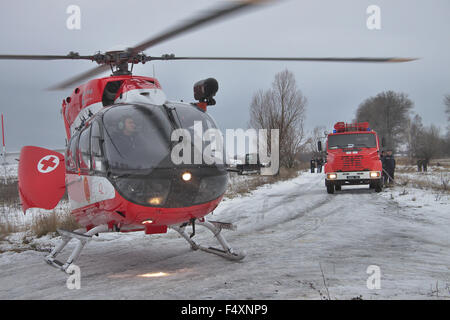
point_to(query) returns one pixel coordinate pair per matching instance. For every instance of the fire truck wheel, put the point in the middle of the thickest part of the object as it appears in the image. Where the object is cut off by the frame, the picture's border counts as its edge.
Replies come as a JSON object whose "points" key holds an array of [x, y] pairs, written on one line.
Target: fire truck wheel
{"points": [[330, 188]]}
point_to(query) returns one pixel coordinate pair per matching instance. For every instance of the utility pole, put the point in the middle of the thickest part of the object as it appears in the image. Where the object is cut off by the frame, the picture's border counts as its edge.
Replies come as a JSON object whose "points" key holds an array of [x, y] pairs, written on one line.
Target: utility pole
{"points": [[4, 149], [409, 139]]}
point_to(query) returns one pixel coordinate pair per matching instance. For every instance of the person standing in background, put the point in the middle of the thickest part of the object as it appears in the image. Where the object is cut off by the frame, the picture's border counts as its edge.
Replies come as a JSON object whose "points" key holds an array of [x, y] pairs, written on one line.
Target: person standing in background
{"points": [[389, 162], [383, 174], [319, 162], [419, 165]]}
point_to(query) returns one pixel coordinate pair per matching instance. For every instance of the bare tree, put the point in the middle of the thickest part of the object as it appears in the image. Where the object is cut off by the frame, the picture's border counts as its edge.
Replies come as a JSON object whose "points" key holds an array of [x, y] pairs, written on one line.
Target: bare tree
{"points": [[318, 134], [447, 111], [425, 142], [429, 143], [388, 114], [447, 106], [414, 138], [282, 107]]}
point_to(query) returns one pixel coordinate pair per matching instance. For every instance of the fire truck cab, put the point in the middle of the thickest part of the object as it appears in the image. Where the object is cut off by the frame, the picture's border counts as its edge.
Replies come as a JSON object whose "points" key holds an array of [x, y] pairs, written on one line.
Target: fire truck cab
{"points": [[353, 157]]}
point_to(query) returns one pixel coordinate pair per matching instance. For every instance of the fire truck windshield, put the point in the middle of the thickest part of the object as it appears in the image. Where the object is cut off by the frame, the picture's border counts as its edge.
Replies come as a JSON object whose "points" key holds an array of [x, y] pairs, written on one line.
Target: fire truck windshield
{"points": [[362, 140]]}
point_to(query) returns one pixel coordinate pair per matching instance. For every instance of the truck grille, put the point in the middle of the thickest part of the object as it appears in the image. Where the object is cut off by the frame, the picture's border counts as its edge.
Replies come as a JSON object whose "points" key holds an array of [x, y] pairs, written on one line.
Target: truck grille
{"points": [[352, 162]]}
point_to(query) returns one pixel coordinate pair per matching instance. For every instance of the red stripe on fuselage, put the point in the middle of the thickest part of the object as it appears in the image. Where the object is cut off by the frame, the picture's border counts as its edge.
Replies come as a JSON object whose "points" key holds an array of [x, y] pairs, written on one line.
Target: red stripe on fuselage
{"points": [[92, 92], [111, 211]]}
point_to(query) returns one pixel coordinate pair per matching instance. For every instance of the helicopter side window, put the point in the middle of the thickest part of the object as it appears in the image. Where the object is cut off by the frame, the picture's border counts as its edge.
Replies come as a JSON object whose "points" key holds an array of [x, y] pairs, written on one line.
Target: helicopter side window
{"points": [[98, 163], [84, 154], [188, 117], [71, 161]]}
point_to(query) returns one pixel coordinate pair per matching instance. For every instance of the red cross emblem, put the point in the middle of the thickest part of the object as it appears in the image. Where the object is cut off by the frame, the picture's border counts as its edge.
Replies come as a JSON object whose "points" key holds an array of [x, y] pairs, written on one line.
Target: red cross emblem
{"points": [[48, 164]]}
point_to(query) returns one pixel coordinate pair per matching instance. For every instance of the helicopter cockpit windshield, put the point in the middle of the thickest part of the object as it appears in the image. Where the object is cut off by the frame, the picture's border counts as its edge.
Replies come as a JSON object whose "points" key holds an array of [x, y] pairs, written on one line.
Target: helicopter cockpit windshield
{"points": [[137, 137], [187, 115], [137, 149]]}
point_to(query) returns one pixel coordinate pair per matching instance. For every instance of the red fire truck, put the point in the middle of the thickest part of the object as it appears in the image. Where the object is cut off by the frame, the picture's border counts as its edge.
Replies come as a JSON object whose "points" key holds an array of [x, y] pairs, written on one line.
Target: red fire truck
{"points": [[353, 157]]}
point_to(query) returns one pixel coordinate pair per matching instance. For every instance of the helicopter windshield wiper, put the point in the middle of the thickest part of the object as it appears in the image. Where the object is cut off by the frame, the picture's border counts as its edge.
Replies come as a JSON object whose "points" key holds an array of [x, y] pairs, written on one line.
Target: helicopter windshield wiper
{"points": [[171, 117], [116, 176], [173, 122]]}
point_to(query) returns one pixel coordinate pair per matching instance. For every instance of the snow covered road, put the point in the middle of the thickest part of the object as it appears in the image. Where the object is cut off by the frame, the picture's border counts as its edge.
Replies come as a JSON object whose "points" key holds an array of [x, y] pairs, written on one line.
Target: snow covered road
{"points": [[301, 243]]}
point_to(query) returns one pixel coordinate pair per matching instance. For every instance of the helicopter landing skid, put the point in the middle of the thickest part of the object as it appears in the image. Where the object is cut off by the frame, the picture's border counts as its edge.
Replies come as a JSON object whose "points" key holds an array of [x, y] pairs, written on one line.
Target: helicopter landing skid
{"points": [[81, 236], [215, 227]]}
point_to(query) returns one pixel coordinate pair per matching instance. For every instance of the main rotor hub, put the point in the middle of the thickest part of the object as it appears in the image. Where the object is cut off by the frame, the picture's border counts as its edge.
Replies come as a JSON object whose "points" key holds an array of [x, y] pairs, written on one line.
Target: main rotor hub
{"points": [[119, 59]]}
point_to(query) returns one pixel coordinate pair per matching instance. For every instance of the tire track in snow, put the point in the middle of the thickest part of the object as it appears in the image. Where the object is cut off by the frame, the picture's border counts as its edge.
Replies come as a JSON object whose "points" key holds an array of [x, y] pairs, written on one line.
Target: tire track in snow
{"points": [[277, 209]]}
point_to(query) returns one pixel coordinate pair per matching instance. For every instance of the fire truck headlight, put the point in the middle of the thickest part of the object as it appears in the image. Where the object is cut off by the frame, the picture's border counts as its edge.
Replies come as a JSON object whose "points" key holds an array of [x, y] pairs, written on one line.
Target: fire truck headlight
{"points": [[331, 176], [375, 174]]}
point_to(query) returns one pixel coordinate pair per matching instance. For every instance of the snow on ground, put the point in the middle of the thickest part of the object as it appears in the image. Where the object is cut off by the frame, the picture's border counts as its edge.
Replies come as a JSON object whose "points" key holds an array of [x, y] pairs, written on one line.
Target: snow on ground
{"points": [[24, 239], [8, 170], [301, 243], [436, 179]]}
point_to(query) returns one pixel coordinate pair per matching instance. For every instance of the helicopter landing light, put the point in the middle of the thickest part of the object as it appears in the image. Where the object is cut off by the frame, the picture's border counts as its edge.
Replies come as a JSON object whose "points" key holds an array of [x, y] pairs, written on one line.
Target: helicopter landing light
{"points": [[147, 221], [187, 176], [153, 275], [155, 201]]}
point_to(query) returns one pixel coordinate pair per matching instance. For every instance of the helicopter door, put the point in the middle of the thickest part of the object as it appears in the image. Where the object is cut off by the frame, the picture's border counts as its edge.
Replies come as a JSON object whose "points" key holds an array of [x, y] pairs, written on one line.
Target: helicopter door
{"points": [[41, 178], [97, 159]]}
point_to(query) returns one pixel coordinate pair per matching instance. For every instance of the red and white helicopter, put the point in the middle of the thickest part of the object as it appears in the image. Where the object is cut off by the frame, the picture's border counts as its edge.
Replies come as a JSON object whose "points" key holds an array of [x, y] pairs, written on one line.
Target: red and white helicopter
{"points": [[117, 168]]}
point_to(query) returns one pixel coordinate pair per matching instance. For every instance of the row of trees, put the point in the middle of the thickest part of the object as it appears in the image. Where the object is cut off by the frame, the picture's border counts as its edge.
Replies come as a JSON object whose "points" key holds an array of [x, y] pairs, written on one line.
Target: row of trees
{"points": [[389, 113], [425, 142]]}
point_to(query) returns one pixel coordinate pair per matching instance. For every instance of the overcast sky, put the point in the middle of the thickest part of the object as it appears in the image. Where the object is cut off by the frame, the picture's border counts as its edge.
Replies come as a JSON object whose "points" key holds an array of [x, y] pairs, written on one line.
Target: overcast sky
{"points": [[288, 28]]}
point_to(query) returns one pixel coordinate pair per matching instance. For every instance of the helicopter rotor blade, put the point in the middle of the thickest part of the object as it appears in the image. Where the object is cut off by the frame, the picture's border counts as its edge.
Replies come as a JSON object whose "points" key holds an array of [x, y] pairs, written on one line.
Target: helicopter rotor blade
{"points": [[88, 74], [208, 17], [70, 56], [189, 25], [312, 59], [106, 61]]}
